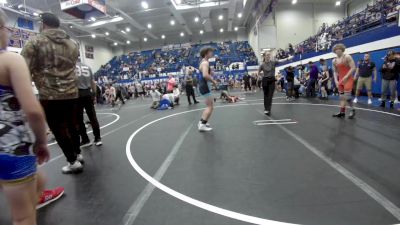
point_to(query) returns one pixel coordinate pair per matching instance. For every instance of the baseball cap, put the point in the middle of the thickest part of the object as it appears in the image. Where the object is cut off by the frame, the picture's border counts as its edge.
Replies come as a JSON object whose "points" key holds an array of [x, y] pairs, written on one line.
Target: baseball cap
{"points": [[50, 20]]}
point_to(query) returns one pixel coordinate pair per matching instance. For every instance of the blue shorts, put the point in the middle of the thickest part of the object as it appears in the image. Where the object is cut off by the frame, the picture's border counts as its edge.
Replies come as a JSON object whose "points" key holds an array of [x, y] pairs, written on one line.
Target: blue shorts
{"points": [[14, 167], [205, 89]]}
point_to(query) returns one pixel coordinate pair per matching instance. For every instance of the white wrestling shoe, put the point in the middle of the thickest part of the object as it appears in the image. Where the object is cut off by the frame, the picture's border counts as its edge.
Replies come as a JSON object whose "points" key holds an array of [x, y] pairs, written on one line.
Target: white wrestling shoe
{"points": [[355, 100], [369, 101], [203, 127]]}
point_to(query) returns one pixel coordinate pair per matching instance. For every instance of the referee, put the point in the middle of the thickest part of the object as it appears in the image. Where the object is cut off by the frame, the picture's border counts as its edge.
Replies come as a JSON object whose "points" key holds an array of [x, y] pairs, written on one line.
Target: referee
{"points": [[268, 81]]}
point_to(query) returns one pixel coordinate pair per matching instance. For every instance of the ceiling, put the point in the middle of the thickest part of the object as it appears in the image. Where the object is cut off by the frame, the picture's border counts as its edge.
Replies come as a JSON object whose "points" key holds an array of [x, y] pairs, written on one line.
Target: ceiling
{"points": [[159, 14]]}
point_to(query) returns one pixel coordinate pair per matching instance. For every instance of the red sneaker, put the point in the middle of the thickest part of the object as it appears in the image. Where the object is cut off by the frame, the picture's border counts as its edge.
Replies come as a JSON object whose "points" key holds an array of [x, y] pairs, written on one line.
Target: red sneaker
{"points": [[49, 196]]}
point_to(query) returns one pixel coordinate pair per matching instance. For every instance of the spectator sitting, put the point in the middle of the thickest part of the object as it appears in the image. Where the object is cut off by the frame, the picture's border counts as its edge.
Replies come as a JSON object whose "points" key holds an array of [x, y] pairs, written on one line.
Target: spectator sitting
{"points": [[156, 96]]}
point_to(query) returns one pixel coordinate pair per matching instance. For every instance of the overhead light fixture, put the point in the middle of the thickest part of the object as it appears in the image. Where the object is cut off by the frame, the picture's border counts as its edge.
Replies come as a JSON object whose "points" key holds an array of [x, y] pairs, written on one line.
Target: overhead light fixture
{"points": [[128, 42], [36, 14], [93, 36], [145, 5], [178, 1], [294, 2], [172, 22], [122, 31], [240, 15], [338, 3], [236, 28], [163, 36], [3, 2], [107, 33], [196, 19], [128, 29], [145, 39], [70, 27], [20, 6], [220, 17], [201, 32], [93, 19], [182, 34], [221, 30], [149, 26], [115, 43]]}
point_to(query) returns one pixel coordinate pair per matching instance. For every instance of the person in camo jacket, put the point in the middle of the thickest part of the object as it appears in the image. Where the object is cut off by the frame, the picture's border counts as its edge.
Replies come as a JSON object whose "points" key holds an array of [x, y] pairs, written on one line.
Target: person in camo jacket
{"points": [[51, 57]]}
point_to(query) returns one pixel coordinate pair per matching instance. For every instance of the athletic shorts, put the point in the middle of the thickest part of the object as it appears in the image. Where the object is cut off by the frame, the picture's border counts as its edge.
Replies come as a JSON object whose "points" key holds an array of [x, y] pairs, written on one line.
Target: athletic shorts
{"points": [[15, 168], [364, 82], [205, 89], [347, 87]]}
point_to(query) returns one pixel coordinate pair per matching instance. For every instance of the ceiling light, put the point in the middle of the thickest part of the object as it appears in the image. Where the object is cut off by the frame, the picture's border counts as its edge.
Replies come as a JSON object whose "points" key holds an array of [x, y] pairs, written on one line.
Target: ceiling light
{"points": [[172, 22], [20, 6], [128, 42], [93, 36], [122, 31], [236, 28], [178, 1], [182, 34], [128, 29], [3, 2], [70, 27], [221, 30], [36, 14], [107, 33], [145, 39], [149, 26], [294, 2], [115, 43], [163, 36], [92, 19], [240, 15], [145, 5], [338, 3], [220, 17], [196, 19], [201, 32]]}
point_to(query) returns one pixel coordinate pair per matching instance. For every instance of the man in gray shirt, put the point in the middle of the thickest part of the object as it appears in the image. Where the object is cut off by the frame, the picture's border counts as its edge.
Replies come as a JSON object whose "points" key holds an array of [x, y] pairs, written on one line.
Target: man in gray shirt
{"points": [[268, 81], [87, 93]]}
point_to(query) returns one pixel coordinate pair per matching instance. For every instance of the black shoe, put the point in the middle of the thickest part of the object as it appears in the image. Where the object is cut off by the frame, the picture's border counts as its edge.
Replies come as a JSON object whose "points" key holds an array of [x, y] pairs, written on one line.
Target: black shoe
{"points": [[190, 103], [267, 113], [98, 142], [85, 143], [391, 104], [339, 115], [352, 114], [196, 102], [383, 104]]}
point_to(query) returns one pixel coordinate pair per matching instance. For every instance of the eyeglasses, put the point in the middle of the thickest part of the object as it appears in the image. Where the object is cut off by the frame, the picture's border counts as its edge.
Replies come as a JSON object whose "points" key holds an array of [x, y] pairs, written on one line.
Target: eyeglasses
{"points": [[7, 28]]}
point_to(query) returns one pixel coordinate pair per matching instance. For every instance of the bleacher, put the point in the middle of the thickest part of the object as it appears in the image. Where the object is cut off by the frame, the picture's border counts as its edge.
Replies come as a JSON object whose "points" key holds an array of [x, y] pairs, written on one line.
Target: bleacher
{"points": [[172, 59], [379, 14]]}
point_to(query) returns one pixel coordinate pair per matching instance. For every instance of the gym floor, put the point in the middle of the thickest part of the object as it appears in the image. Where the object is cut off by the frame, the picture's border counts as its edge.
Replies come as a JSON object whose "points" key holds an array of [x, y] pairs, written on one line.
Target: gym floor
{"points": [[299, 166]]}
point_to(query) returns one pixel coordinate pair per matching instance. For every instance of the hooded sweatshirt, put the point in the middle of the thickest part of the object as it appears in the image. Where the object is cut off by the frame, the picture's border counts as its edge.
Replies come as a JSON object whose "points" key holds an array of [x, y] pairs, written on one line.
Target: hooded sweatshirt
{"points": [[52, 57]]}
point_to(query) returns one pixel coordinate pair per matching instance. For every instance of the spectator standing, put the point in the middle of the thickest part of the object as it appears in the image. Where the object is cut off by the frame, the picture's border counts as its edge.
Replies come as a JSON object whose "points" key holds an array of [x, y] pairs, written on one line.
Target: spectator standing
{"points": [[390, 75], [87, 93], [170, 84], [268, 82], [312, 80], [290, 83], [189, 87], [56, 81], [246, 80], [363, 77]]}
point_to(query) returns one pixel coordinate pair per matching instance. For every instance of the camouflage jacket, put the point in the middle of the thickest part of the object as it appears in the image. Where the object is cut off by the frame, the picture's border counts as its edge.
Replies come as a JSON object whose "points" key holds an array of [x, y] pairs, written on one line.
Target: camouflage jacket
{"points": [[52, 57]]}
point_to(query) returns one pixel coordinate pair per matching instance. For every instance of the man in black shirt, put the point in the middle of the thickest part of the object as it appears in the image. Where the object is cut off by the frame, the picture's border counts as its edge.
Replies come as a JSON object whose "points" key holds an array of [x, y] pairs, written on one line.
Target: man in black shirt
{"points": [[390, 75], [363, 76], [246, 79], [290, 83]]}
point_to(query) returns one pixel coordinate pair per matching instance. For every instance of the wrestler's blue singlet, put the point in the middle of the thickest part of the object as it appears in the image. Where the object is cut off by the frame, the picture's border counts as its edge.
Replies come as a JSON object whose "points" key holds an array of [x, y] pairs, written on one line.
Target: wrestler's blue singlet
{"points": [[17, 160], [204, 85]]}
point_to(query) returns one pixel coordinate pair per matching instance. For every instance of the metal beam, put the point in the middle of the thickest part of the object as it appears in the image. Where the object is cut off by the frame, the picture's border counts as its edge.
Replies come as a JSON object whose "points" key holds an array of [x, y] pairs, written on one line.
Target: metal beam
{"points": [[178, 16], [206, 20], [231, 14], [131, 20]]}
